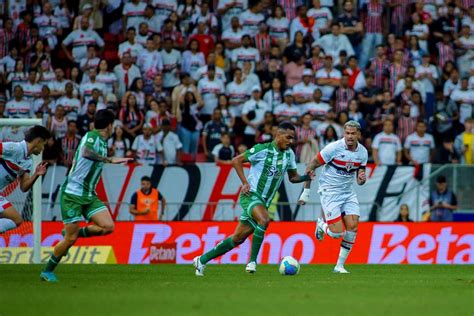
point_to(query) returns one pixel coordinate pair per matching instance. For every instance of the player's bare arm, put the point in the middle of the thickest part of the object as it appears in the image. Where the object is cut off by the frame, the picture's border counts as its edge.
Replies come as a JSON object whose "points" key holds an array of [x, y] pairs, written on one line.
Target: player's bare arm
{"points": [[294, 177], [361, 176], [92, 155], [27, 181], [312, 165], [238, 164]]}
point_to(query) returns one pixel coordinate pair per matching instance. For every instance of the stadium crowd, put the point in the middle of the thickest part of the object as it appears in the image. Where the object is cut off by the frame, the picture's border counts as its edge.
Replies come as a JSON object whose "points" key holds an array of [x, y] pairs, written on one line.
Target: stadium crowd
{"points": [[202, 81]]}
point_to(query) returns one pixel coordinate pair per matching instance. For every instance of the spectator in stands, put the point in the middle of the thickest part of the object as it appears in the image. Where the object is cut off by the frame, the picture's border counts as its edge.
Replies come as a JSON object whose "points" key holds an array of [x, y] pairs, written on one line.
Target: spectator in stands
{"points": [[303, 91], [126, 72], [373, 11], [306, 139], [442, 202], [351, 24], [145, 146], [131, 117], [80, 40], [49, 25], [193, 58], [209, 88], [85, 122], [212, 133], [328, 78], [464, 97], [335, 42], [328, 137], [288, 111], [18, 107], [386, 146], [130, 45], [69, 143], [45, 104], [118, 145], [169, 145], [133, 14], [52, 153], [191, 126], [464, 143], [171, 64], [253, 113], [224, 152], [419, 146], [145, 203], [403, 217], [57, 123]]}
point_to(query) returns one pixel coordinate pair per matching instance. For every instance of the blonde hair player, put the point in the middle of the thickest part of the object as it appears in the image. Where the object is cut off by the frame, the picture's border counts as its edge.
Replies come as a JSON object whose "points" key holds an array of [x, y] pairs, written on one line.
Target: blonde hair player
{"points": [[341, 160]]}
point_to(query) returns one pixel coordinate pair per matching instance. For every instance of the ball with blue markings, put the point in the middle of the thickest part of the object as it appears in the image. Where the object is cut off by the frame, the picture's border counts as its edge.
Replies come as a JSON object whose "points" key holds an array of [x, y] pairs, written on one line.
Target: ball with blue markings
{"points": [[289, 266]]}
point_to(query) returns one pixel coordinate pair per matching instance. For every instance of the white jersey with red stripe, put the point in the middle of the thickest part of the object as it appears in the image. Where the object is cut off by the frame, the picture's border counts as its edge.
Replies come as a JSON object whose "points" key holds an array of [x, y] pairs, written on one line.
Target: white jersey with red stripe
{"points": [[14, 162], [340, 163]]}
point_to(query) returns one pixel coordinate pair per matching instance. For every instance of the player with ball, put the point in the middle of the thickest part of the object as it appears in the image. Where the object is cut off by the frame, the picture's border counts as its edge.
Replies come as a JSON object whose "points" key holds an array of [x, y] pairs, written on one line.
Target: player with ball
{"points": [[341, 160]]}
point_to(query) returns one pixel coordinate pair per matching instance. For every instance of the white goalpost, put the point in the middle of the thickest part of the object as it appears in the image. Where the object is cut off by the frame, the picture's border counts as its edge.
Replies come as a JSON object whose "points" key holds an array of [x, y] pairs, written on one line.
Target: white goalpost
{"points": [[13, 130]]}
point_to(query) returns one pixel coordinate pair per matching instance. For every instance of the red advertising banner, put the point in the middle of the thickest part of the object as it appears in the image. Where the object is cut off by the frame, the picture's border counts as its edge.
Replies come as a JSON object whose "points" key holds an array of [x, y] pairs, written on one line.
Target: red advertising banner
{"points": [[413, 243]]}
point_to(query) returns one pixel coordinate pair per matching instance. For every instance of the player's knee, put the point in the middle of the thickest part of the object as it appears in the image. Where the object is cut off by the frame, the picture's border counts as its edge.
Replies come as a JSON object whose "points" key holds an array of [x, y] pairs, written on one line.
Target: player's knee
{"points": [[352, 227], [18, 221], [108, 228], [70, 239], [263, 221]]}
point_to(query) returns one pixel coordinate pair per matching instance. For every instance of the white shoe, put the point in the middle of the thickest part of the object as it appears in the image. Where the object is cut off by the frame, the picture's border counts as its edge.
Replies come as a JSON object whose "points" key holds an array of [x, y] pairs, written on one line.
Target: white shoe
{"points": [[199, 266], [340, 269], [319, 232], [251, 267]]}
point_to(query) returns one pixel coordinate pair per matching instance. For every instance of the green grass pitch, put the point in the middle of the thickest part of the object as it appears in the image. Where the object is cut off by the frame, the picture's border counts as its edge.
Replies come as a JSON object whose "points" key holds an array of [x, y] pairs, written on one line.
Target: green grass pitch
{"points": [[227, 290]]}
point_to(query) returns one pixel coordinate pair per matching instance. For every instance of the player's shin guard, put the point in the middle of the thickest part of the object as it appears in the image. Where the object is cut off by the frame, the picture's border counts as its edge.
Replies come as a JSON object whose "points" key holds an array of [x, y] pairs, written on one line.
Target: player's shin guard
{"points": [[328, 231], [221, 248], [52, 263], [346, 246], [257, 240], [6, 224]]}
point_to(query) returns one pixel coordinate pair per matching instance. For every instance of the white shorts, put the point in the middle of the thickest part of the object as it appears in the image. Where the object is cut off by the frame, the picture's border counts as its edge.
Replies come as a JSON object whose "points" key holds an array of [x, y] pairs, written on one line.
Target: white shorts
{"points": [[4, 204], [335, 206]]}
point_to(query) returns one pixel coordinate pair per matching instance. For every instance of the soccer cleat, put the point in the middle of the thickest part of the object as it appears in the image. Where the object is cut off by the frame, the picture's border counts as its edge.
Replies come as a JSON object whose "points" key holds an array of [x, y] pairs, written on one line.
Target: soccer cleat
{"points": [[48, 276], [319, 232], [251, 267], [340, 269], [199, 266]]}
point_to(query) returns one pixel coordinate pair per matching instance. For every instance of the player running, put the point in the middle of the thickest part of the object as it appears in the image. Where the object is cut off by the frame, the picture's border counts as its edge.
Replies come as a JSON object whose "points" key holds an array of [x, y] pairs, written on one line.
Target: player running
{"points": [[16, 162], [342, 159], [268, 164], [78, 193]]}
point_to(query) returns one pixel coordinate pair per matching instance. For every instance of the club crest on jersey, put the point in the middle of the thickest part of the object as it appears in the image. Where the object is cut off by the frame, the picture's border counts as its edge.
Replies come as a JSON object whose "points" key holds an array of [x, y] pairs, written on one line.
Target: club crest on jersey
{"points": [[349, 166], [90, 140]]}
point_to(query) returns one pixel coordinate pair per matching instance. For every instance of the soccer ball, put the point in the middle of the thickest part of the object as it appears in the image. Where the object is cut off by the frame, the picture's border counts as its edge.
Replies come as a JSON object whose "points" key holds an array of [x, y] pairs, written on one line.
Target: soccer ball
{"points": [[289, 266]]}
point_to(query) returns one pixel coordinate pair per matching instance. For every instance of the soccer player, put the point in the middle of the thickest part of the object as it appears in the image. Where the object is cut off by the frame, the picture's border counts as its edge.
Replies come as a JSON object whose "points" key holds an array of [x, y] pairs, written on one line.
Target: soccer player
{"points": [[268, 164], [16, 162], [341, 159], [78, 193]]}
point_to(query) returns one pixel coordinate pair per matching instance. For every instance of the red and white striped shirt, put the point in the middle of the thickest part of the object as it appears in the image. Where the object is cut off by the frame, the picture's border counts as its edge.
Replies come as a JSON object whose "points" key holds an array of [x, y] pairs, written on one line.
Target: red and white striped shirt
{"points": [[69, 146], [373, 21], [303, 133], [263, 42], [343, 96], [5, 38], [379, 67], [445, 53], [406, 126], [394, 72]]}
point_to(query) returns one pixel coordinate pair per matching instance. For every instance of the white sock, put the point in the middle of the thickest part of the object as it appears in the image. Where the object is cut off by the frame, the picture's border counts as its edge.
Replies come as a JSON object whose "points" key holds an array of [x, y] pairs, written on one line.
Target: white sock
{"points": [[6, 224], [346, 246], [328, 231]]}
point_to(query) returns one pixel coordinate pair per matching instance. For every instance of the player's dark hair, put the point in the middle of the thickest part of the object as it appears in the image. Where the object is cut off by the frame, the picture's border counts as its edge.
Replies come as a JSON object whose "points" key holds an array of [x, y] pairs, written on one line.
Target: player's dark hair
{"points": [[146, 178], [286, 125], [37, 131], [103, 118]]}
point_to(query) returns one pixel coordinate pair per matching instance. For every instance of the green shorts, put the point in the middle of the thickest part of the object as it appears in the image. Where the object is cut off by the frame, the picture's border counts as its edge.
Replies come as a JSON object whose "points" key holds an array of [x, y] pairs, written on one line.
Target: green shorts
{"points": [[74, 207], [248, 202]]}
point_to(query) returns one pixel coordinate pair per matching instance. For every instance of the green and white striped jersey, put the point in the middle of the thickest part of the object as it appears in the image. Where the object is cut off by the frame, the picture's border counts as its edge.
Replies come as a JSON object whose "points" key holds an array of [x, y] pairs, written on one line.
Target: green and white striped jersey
{"points": [[85, 173], [268, 167]]}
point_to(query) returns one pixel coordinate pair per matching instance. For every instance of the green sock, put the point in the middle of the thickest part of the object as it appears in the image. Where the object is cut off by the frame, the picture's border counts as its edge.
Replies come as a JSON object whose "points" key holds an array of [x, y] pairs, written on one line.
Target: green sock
{"points": [[83, 232], [52, 263], [223, 247], [257, 240]]}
